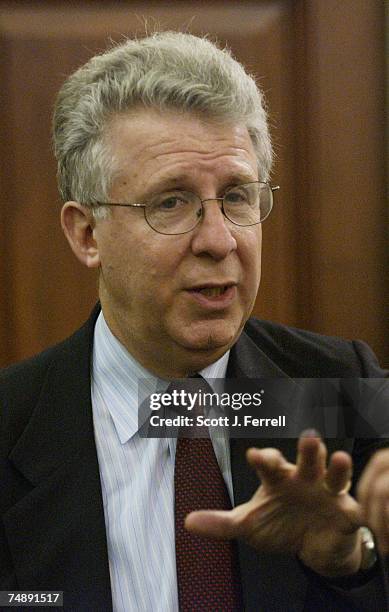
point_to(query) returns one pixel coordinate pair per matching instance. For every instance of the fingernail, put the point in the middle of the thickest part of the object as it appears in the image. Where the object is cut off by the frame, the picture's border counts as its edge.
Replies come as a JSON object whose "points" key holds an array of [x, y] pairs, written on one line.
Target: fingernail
{"points": [[310, 433]]}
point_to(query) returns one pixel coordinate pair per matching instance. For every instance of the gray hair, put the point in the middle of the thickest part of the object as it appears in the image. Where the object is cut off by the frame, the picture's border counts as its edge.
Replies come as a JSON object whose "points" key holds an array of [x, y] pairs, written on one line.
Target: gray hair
{"points": [[168, 70]]}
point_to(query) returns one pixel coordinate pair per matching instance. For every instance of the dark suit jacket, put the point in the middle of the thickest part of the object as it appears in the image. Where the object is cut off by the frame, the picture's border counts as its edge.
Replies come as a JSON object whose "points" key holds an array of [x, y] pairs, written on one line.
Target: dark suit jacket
{"points": [[52, 531]]}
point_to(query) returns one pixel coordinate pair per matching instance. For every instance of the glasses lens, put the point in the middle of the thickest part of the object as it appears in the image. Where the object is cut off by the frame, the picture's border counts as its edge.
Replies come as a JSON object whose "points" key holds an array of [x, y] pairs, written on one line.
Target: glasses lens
{"points": [[178, 212], [174, 212], [248, 204]]}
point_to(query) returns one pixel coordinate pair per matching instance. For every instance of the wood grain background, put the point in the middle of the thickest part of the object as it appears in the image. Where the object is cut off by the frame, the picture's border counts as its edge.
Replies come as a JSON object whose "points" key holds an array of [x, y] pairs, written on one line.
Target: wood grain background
{"points": [[322, 67]]}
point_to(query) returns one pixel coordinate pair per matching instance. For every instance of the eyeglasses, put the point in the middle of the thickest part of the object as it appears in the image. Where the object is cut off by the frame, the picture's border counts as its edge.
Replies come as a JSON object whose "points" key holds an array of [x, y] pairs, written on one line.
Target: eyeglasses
{"points": [[178, 212]]}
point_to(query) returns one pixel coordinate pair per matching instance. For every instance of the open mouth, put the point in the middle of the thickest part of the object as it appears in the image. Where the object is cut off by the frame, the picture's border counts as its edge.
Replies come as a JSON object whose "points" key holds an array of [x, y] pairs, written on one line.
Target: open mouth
{"points": [[212, 291], [214, 296]]}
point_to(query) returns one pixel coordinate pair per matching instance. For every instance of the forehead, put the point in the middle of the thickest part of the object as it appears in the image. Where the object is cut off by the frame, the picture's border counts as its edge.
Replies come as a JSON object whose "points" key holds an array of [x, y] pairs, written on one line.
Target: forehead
{"points": [[150, 146]]}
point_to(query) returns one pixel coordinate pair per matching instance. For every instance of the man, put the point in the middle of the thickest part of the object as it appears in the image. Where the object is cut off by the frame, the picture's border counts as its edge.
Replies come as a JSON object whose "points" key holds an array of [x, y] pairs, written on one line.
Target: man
{"points": [[164, 158]]}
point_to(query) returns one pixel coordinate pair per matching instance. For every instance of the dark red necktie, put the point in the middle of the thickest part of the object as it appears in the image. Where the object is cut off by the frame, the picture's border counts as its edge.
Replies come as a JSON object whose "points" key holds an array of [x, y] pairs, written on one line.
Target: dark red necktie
{"points": [[207, 570]]}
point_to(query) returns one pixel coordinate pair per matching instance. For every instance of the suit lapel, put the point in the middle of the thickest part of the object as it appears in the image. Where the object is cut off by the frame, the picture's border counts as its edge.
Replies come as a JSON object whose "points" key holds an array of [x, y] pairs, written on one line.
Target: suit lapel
{"points": [[260, 572], [247, 360], [62, 510]]}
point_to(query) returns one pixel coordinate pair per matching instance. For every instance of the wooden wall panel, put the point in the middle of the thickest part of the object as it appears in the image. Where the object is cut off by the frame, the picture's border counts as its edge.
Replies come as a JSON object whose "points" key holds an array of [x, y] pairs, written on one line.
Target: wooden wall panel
{"points": [[310, 278], [5, 336], [346, 180]]}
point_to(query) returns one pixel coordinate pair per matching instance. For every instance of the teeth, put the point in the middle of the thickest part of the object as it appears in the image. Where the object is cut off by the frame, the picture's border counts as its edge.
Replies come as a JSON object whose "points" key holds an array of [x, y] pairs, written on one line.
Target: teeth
{"points": [[212, 291]]}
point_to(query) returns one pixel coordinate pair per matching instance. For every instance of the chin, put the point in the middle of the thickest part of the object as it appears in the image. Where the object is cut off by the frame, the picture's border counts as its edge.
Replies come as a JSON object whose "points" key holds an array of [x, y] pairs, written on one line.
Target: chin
{"points": [[209, 336]]}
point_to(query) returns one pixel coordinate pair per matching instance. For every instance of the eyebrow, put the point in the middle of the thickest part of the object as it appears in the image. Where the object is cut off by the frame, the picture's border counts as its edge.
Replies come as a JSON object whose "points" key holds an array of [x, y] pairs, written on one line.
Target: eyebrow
{"points": [[183, 183]]}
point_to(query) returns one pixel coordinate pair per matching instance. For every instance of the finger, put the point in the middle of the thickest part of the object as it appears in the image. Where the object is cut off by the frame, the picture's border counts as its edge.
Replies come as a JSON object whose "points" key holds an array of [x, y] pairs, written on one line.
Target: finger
{"points": [[376, 511], [378, 523], [311, 457], [270, 465], [339, 473], [218, 524], [377, 465], [384, 540]]}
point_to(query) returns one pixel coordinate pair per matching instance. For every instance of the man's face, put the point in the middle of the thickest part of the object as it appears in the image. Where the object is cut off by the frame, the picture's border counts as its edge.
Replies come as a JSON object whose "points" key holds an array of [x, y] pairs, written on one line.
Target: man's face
{"points": [[157, 290]]}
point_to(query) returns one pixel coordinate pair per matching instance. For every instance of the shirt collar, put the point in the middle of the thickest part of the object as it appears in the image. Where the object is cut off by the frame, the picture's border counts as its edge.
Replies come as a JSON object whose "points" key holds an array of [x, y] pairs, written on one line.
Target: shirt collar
{"points": [[116, 375]]}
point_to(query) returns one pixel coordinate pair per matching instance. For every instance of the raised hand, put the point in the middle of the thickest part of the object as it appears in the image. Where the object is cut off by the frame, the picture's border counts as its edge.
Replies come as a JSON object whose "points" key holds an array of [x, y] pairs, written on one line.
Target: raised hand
{"points": [[303, 509]]}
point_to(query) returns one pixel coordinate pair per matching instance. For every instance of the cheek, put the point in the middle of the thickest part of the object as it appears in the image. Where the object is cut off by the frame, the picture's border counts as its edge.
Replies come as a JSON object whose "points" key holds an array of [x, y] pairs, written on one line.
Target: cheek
{"points": [[147, 267], [250, 251]]}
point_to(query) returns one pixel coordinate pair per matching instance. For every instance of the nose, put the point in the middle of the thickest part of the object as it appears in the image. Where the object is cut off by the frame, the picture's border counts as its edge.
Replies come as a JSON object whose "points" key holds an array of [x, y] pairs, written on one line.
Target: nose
{"points": [[212, 235]]}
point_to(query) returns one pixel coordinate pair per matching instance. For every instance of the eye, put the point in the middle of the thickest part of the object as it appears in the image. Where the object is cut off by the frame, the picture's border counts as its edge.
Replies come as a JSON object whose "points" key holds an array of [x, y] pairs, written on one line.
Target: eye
{"points": [[171, 202], [166, 202], [236, 195]]}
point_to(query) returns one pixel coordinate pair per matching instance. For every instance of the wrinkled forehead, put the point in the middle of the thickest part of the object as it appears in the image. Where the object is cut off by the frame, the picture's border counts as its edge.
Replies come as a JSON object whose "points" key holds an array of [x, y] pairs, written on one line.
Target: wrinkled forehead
{"points": [[154, 146]]}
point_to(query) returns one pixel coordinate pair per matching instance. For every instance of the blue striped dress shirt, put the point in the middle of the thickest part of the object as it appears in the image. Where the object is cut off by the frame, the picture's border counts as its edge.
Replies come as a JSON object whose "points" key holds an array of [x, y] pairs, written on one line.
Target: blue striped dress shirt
{"points": [[137, 479]]}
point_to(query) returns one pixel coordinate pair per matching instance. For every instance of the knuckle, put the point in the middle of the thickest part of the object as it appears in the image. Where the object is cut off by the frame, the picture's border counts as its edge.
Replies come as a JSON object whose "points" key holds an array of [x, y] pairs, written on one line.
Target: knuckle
{"points": [[240, 523]]}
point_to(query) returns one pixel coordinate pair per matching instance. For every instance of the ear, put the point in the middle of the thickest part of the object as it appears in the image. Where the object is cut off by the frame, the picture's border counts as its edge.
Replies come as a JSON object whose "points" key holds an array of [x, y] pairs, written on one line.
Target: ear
{"points": [[78, 225]]}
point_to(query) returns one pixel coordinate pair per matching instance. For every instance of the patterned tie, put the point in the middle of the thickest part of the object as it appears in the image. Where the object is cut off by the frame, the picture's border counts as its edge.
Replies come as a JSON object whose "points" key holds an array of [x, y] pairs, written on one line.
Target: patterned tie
{"points": [[207, 570]]}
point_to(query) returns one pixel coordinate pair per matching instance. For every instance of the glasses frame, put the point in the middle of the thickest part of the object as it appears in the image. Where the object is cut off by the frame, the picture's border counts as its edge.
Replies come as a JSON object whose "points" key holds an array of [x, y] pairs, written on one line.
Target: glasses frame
{"points": [[272, 188]]}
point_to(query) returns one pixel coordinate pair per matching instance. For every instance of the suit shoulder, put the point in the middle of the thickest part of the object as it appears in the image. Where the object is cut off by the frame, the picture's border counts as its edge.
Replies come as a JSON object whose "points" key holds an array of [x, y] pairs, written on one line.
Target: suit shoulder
{"points": [[20, 389], [21, 384], [308, 354], [27, 376]]}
